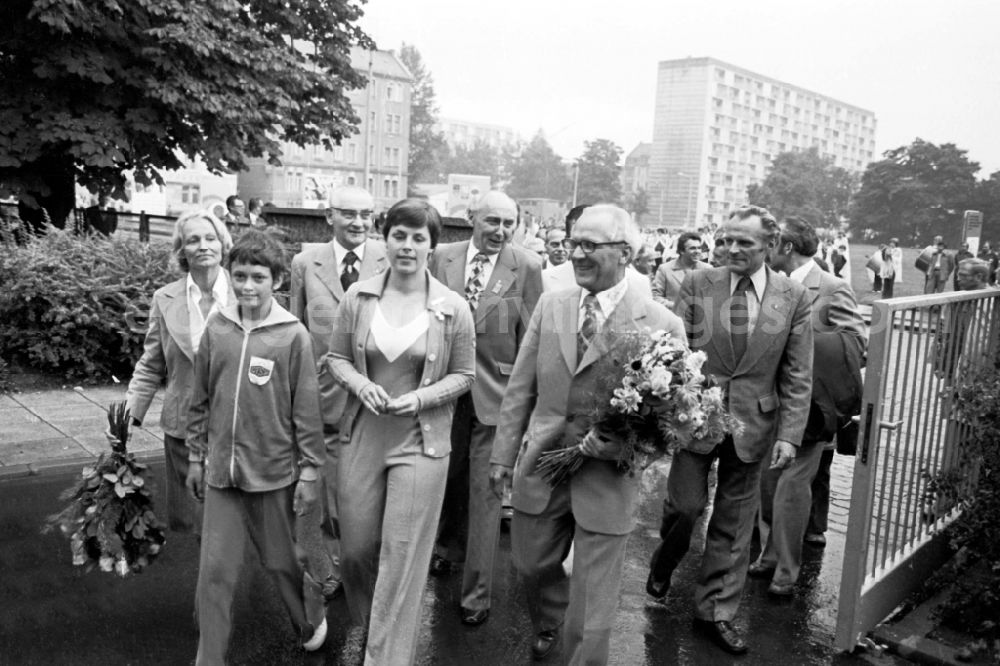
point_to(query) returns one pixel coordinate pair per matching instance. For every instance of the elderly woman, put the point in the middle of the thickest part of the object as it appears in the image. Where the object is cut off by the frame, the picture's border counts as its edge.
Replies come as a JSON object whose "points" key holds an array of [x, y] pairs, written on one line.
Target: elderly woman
{"points": [[176, 323], [403, 346]]}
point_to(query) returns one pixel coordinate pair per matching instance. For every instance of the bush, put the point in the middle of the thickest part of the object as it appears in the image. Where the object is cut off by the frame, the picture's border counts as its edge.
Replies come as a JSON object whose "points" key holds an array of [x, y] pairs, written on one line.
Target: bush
{"points": [[78, 305], [974, 601]]}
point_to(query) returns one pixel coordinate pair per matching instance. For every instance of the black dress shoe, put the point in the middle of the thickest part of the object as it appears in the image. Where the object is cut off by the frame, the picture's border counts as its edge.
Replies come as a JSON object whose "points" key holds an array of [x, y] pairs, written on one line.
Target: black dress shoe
{"points": [[474, 618], [440, 566], [545, 643], [722, 634], [657, 588]]}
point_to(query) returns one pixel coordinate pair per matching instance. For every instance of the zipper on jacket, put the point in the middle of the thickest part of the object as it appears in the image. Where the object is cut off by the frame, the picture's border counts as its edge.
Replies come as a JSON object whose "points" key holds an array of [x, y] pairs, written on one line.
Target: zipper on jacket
{"points": [[236, 408]]}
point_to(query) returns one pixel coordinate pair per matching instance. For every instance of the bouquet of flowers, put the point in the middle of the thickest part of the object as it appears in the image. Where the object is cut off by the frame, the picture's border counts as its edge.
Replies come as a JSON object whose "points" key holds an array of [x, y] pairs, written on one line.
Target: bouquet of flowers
{"points": [[656, 399], [110, 521]]}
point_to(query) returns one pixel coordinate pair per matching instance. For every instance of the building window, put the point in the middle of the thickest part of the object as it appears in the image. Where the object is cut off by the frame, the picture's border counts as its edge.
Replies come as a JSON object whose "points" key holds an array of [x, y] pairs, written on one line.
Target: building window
{"points": [[352, 153], [388, 123], [397, 124], [190, 194], [338, 153], [395, 157], [387, 160], [351, 180], [395, 188], [390, 91], [374, 121], [385, 188], [371, 183]]}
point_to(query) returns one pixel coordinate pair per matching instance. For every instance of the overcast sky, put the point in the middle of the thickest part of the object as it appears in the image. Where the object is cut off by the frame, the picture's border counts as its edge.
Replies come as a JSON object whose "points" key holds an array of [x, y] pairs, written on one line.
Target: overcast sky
{"points": [[586, 69]]}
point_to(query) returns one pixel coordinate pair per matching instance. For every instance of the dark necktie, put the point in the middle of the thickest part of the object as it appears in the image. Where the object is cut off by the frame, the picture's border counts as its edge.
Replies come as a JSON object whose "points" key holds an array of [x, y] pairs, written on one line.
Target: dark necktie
{"points": [[588, 327], [474, 287], [350, 274], [739, 317]]}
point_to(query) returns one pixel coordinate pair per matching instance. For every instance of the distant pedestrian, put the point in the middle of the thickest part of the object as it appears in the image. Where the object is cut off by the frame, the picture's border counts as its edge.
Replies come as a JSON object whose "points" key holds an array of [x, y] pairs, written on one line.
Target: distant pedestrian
{"points": [[255, 442], [255, 213], [962, 254], [937, 264], [236, 215], [887, 272]]}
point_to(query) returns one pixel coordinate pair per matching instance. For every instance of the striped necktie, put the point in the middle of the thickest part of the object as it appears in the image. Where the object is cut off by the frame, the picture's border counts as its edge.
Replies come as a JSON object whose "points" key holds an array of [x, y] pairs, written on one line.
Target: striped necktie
{"points": [[588, 327], [474, 287]]}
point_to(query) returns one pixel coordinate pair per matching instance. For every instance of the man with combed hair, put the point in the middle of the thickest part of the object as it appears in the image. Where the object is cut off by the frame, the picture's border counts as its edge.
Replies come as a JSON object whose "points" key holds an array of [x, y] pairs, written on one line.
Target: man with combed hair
{"points": [[320, 276], [839, 340], [670, 274], [753, 324], [236, 214], [502, 283], [547, 405]]}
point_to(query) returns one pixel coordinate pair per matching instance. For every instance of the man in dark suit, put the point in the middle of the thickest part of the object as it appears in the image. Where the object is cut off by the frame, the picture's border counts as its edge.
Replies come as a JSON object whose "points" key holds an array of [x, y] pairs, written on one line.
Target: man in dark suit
{"points": [[321, 273], [549, 398], [753, 324], [786, 494], [502, 284], [940, 265]]}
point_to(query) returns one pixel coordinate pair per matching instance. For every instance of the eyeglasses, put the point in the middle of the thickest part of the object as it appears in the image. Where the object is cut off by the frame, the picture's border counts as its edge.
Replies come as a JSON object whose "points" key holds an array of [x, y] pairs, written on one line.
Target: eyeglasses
{"points": [[351, 214], [586, 246]]}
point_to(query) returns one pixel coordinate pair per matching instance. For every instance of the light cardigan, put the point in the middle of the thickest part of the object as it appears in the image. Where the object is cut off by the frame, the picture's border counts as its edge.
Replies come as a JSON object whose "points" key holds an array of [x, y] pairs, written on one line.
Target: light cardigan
{"points": [[449, 365]]}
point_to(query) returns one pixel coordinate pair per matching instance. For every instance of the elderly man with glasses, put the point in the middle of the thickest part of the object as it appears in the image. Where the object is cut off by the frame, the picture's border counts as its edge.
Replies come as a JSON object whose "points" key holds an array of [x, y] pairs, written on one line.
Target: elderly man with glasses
{"points": [[320, 276]]}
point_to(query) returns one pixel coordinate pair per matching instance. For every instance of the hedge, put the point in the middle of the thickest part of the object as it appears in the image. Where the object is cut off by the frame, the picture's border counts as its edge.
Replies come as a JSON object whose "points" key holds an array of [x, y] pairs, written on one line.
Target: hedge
{"points": [[78, 305]]}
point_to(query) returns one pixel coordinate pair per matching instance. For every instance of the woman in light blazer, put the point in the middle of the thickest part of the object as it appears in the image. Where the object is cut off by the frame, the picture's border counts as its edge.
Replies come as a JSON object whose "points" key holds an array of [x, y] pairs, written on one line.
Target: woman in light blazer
{"points": [[176, 323], [404, 348]]}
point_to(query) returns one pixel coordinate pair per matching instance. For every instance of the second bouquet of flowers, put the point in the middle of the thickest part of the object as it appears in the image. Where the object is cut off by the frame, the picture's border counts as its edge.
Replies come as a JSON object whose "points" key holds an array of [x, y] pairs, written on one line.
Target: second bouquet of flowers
{"points": [[656, 400]]}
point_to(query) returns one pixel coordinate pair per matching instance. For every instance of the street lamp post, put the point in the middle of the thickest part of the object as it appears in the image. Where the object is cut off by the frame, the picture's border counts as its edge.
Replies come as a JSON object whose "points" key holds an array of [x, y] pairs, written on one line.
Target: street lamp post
{"points": [[687, 216]]}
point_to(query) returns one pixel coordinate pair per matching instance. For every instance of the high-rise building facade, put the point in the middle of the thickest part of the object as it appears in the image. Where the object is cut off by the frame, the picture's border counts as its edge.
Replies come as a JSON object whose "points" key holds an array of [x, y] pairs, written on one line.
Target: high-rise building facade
{"points": [[716, 128], [375, 158], [467, 134]]}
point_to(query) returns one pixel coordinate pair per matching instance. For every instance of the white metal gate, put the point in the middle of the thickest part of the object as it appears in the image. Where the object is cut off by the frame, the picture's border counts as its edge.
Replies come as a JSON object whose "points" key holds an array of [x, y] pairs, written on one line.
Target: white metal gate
{"points": [[919, 348]]}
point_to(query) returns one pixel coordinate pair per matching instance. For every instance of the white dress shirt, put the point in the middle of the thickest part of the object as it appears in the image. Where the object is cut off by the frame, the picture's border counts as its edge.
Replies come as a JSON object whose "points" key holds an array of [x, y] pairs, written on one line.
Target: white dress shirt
{"points": [[339, 252], [487, 266], [607, 301], [220, 294], [759, 281]]}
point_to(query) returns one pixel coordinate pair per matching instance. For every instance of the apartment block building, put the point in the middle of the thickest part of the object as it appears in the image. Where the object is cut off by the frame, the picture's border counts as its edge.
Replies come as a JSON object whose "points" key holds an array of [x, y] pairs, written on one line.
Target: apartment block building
{"points": [[717, 127], [375, 158], [466, 133]]}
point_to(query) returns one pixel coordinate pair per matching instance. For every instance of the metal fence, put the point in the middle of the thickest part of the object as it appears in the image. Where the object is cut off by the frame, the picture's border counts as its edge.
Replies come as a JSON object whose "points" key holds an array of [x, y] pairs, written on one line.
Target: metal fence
{"points": [[920, 348]]}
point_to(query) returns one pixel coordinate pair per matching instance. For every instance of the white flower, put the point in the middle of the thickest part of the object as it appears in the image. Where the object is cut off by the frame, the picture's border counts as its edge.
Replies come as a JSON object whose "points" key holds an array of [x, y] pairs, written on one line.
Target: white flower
{"points": [[694, 361], [435, 307], [154, 548], [626, 400], [106, 563], [121, 566], [659, 381]]}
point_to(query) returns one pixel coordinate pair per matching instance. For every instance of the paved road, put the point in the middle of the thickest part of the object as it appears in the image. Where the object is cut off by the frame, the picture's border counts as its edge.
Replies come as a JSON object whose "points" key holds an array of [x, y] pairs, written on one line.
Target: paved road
{"points": [[54, 613]]}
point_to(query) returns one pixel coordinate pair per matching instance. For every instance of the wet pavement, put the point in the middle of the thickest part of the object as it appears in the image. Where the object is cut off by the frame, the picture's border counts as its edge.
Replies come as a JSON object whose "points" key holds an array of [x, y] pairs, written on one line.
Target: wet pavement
{"points": [[54, 613]]}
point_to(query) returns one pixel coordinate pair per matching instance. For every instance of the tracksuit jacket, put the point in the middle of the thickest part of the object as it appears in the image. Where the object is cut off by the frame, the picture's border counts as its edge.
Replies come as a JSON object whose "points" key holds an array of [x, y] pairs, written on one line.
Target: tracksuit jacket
{"points": [[255, 417]]}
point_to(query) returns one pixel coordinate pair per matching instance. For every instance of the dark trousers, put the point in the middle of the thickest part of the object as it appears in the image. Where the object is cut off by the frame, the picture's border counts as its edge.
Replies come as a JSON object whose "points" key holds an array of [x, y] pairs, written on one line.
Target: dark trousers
{"points": [[821, 495], [887, 285], [184, 514]]}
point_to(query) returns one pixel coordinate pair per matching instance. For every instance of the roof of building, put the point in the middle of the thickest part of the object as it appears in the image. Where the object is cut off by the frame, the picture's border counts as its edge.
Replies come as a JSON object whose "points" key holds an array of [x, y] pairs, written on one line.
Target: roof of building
{"points": [[642, 151], [383, 63]]}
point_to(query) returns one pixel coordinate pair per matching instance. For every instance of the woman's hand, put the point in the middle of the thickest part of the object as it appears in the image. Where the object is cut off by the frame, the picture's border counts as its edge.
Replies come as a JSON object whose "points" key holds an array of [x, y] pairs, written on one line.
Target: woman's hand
{"points": [[405, 405], [374, 398]]}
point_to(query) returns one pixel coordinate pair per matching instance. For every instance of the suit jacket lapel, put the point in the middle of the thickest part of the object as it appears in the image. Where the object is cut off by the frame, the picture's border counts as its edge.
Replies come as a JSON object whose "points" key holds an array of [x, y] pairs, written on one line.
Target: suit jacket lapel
{"points": [[176, 319], [501, 280], [454, 268], [568, 310], [325, 268], [626, 316], [722, 340], [773, 309], [373, 263]]}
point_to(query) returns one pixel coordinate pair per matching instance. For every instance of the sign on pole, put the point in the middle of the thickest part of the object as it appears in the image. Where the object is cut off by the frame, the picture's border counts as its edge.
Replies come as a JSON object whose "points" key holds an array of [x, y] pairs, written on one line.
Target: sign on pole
{"points": [[972, 230]]}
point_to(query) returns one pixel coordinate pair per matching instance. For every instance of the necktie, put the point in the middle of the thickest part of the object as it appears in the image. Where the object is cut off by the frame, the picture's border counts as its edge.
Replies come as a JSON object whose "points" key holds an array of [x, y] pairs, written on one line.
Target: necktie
{"points": [[350, 274], [588, 327], [739, 317], [474, 287]]}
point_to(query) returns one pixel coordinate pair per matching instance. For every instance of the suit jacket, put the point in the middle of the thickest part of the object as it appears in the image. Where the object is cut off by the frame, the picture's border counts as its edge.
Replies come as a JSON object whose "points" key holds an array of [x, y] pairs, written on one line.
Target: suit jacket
{"points": [[167, 354], [315, 295], [769, 389], [667, 281], [547, 406], [839, 341], [501, 317]]}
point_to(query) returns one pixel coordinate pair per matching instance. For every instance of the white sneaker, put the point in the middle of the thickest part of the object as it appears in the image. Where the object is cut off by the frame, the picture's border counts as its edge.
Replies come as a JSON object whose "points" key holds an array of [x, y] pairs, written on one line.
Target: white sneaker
{"points": [[318, 638]]}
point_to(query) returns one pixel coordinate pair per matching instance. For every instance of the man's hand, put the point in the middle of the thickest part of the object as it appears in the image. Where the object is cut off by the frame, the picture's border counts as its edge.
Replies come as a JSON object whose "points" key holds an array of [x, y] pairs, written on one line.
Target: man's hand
{"points": [[500, 479], [597, 446], [195, 481], [405, 405], [305, 497], [374, 398], [783, 454]]}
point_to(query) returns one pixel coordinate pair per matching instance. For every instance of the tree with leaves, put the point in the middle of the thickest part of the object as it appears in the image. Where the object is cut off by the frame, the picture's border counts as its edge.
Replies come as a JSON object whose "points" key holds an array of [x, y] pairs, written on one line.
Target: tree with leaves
{"points": [[806, 185], [538, 172], [481, 159], [427, 146], [637, 202], [92, 91], [600, 173], [915, 193]]}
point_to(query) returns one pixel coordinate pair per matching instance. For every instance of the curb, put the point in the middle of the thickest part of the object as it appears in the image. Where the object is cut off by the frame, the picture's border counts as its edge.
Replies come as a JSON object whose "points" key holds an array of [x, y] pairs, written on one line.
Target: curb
{"points": [[65, 465]]}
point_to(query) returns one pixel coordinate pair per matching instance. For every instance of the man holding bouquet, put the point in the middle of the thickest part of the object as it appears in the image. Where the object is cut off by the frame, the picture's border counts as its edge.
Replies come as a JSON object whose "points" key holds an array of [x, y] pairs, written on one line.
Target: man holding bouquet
{"points": [[753, 324], [548, 397]]}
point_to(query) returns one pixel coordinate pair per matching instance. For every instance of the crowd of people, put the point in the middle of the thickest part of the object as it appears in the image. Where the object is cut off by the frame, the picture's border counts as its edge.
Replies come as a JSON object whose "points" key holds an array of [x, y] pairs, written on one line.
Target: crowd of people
{"points": [[410, 387]]}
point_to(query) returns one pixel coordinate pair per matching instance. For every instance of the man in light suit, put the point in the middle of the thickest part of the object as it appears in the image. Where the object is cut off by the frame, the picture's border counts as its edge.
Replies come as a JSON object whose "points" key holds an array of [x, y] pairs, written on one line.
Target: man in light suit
{"points": [[753, 324], [320, 276], [786, 494], [670, 274], [941, 265], [548, 398], [502, 284]]}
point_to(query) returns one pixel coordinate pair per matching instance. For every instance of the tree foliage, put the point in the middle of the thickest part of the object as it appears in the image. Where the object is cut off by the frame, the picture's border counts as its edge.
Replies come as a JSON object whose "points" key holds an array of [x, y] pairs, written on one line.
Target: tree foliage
{"points": [[637, 202], [538, 172], [600, 173], [916, 192], [481, 159], [807, 185], [92, 90], [427, 146]]}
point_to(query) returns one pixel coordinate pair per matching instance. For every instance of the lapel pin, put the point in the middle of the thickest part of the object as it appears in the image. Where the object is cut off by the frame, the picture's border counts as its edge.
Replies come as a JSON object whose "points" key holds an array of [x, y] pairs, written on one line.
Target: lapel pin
{"points": [[497, 287]]}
